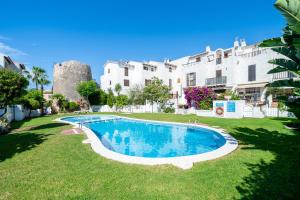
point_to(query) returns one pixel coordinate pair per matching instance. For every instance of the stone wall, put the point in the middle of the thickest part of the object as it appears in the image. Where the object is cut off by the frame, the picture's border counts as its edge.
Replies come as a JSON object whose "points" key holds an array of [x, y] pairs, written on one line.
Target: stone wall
{"points": [[67, 75]]}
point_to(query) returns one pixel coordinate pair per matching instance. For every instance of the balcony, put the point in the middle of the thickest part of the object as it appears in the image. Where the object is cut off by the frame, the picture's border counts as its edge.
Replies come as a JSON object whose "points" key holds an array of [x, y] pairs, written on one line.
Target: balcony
{"points": [[222, 80], [283, 75]]}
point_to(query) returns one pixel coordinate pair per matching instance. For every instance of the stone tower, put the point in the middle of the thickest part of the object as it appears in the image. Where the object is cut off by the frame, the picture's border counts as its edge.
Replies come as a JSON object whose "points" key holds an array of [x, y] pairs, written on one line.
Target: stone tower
{"points": [[67, 75]]}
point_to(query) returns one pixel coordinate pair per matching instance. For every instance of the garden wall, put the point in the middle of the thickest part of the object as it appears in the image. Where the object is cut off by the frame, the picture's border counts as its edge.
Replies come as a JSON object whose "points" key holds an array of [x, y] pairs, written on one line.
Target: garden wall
{"points": [[236, 109], [18, 113], [127, 109], [229, 109]]}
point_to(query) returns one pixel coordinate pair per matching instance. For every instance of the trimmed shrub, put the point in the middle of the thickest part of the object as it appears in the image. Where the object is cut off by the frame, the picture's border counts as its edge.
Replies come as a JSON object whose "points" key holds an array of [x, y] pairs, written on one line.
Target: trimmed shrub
{"points": [[99, 97], [169, 110], [73, 106]]}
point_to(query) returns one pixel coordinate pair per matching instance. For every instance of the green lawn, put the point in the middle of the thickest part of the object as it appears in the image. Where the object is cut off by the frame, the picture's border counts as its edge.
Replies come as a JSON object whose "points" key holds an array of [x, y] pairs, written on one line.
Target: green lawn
{"points": [[38, 162]]}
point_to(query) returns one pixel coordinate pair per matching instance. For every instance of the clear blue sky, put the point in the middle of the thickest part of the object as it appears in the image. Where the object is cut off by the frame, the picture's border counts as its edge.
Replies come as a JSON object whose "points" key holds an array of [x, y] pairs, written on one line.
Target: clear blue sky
{"points": [[92, 31]]}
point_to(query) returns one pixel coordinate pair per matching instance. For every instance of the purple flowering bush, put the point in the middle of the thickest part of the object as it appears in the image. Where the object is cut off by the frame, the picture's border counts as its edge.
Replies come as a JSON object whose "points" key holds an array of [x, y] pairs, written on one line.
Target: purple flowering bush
{"points": [[200, 97]]}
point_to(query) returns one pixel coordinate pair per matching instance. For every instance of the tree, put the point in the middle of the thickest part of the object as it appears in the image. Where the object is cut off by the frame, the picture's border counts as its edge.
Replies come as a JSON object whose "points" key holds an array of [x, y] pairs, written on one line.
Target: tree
{"points": [[33, 100], [12, 87], [73, 106], [60, 101], [110, 98], [157, 92], [85, 89], [43, 80], [98, 97], [103, 97], [136, 95], [289, 46], [36, 74], [27, 74], [121, 101], [39, 77], [118, 89]]}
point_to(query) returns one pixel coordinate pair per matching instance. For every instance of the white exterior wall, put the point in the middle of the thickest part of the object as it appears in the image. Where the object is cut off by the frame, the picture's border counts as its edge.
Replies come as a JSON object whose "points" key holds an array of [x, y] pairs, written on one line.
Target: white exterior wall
{"points": [[234, 67], [137, 75], [262, 67], [1, 61]]}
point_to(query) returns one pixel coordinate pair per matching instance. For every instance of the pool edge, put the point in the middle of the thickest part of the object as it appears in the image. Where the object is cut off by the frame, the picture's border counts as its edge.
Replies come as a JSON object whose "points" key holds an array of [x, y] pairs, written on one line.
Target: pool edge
{"points": [[183, 162]]}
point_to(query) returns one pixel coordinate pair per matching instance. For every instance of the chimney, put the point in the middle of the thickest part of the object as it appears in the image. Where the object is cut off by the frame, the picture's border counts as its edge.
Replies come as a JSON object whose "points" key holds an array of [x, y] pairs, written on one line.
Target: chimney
{"points": [[243, 43], [207, 49], [236, 44], [167, 60]]}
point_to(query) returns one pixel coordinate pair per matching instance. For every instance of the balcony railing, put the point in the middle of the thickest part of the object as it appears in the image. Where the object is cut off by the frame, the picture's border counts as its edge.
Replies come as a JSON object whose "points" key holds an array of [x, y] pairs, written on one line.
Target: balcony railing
{"points": [[222, 80], [283, 75]]}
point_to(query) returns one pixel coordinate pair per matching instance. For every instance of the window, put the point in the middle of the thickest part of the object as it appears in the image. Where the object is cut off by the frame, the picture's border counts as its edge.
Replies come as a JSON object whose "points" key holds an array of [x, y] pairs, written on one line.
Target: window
{"points": [[219, 58], [251, 72], [147, 82], [126, 83], [252, 94], [152, 69], [178, 80], [191, 79], [109, 82], [170, 69], [126, 71], [108, 71], [198, 59], [145, 68], [218, 73], [252, 90], [170, 83], [226, 55]]}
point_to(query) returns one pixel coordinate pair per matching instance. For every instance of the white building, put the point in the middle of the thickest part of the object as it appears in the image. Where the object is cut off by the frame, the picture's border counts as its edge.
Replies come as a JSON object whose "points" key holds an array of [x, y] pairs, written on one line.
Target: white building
{"points": [[133, 73], [8, 63], [242, 68]]}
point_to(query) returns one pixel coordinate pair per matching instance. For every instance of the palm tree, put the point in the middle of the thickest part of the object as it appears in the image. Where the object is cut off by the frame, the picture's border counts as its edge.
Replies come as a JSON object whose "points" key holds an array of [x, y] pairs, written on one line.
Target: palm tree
{"points": [[27, 74], [39, 77], [36, 74], [288, 46], [43, 80]]}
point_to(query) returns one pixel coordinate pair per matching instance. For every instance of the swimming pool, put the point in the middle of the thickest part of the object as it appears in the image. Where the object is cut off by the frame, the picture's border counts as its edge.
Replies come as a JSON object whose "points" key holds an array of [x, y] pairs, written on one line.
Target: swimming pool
{"points": [[88, 118], [151, 142]]}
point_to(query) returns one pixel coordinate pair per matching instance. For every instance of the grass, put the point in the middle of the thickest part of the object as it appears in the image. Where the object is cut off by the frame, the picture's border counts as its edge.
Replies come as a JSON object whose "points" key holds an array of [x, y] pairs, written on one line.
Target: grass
{"points": [[38, 162]]}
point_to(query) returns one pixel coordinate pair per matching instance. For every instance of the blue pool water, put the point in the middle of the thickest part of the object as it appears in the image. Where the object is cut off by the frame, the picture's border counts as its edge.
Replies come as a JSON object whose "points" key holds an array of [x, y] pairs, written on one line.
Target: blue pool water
{"points": [[79, 119], [153, 139]]}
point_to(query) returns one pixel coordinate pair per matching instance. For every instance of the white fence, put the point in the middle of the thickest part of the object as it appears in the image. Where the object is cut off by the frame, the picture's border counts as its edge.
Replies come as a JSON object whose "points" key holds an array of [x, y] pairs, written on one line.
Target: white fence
{"points": [[275, 112], [128, 109], [240, 110], [18, 113]]}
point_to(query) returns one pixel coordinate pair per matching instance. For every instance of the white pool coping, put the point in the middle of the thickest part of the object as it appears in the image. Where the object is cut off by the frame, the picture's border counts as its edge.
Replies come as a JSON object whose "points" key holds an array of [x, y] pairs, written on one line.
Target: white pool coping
{"points": [[183, 162]]}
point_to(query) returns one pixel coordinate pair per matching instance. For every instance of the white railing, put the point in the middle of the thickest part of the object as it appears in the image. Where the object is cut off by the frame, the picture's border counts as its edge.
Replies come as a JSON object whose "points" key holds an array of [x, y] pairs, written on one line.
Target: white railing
{"points": [[222, 80], [275, 112], [283, 75]]}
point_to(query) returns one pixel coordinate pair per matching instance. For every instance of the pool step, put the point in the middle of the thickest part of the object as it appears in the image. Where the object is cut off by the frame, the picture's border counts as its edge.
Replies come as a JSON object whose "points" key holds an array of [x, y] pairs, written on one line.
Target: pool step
{"points": [[98, 120]]}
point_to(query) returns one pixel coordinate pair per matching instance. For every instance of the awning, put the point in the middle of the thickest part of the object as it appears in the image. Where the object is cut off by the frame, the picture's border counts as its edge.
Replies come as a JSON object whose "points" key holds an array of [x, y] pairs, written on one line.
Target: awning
{"points": [[252, 85]]}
